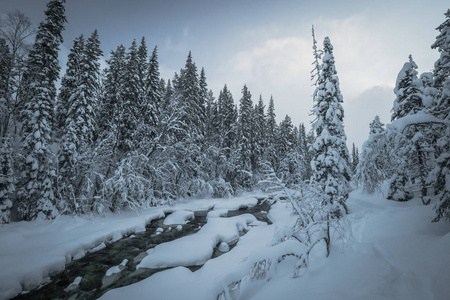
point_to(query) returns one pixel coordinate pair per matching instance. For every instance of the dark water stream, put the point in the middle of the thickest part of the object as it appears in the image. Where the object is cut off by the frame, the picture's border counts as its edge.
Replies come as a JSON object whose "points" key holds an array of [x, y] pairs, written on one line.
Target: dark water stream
{"points": [[92, 267]]}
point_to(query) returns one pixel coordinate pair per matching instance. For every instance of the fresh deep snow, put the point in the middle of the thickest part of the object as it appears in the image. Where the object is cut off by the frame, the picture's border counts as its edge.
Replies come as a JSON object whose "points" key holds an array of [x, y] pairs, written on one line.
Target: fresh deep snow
{"points": [[392, 252]]}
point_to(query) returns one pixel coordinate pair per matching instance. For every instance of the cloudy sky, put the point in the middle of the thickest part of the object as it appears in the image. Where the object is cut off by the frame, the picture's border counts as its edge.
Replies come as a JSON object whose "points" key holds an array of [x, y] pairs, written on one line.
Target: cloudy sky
{"points": [[267, 44]]}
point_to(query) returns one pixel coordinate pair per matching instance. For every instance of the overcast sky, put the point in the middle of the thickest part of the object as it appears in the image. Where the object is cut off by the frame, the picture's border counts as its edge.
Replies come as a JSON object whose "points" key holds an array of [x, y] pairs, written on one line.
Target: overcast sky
{"points": [[267, 44]]}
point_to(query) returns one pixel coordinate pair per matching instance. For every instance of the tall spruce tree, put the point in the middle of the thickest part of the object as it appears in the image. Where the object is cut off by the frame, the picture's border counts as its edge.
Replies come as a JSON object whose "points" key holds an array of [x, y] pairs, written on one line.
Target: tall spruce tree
{"points": [[272, 133], [5, 73], [371, 170], [7, 180], [355, 158], [154, 96], [331, 172], [440, 176], [38, 170], [441, 67], [408, 102], [80, 126], [246, 139], [69, 83]]}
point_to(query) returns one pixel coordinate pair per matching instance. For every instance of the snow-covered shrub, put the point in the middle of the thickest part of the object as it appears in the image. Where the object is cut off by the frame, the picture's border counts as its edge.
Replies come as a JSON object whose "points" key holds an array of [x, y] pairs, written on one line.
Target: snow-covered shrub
{"points": [[130, 187], [269, 181], [221, 188], [197, 188]]}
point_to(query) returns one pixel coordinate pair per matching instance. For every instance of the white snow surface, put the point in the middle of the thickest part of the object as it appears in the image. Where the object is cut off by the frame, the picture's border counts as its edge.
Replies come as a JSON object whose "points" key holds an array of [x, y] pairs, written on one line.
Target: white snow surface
{"points": [[393, 252], [197, 248], [178, 217], [31, 251]]}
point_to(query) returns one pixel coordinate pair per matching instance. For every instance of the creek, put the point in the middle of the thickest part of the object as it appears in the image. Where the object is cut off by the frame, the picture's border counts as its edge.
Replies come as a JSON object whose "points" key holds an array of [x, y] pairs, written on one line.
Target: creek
{"points": [[94, 265]]}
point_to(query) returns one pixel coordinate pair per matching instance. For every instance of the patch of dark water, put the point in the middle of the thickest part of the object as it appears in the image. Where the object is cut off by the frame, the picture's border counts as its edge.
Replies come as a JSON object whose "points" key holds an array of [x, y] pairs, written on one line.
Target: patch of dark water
{"points": [[93, 267]]}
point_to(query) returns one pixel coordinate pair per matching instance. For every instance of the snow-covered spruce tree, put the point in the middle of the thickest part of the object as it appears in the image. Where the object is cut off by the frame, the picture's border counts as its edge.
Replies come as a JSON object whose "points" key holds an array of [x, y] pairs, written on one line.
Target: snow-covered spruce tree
{"points": [[245, 139], [408, 91], [65, 115], [440, 176], [408, 102], [317, 53], [259, 135], [7, 180], [303, 141], [271, 136], [5, 73], [290, 160], [75, 157], [371, 169], [37, 198], [227, 131], [442, 65], [355, 158], [154, 96], [194, 103], [331, 172], [227, 116], [142, 57], [68, 84]]}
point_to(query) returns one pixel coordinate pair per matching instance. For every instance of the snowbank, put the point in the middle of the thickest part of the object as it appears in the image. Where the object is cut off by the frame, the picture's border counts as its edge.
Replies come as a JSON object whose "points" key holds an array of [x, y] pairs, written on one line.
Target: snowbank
{"points": [[178, 217], [196, 249], [394, 252]]}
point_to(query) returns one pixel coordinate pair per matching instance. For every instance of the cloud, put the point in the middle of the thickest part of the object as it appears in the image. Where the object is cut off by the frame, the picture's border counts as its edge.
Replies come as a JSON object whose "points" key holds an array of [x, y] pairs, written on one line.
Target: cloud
{"points": [[359, 112]]}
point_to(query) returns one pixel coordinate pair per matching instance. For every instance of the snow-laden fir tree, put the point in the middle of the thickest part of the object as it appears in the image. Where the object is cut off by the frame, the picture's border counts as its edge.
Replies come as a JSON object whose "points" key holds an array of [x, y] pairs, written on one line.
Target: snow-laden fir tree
{"points": [[154, 95], [7, 180], [355, 158], [38, 170], [440, 176], [80, 126], [259, 131], [194, 103], [290, 161], [303, 141], [68, 83], [271, 136], [317, 53], [442, 65], [5, 72], [408, 90], [331, 172], [245, 162], [227, 116], [371, 169]]}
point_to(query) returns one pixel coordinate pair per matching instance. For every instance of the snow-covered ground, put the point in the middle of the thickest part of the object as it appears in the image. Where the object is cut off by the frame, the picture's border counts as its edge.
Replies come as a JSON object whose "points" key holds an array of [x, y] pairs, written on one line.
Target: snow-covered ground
{"points": [[393, 252], [31, 251]]}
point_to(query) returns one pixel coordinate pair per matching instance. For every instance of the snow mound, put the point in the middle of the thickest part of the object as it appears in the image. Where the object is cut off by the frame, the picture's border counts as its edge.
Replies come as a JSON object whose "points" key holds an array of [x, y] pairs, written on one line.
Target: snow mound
{"points": [[217, 213], [236, 203], [196, 249], [31, 251], [179, 217]]}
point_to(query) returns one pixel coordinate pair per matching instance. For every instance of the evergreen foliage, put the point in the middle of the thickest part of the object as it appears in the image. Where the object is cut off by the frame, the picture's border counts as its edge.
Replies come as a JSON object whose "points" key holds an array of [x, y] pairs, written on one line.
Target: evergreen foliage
{"points": [[329, 164], [38, 171]]}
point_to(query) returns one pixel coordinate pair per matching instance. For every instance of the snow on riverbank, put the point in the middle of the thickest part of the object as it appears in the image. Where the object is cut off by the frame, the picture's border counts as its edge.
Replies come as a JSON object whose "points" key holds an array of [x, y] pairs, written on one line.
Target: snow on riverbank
{"points": [[196, 249], [31, 251], [394, 252]]}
